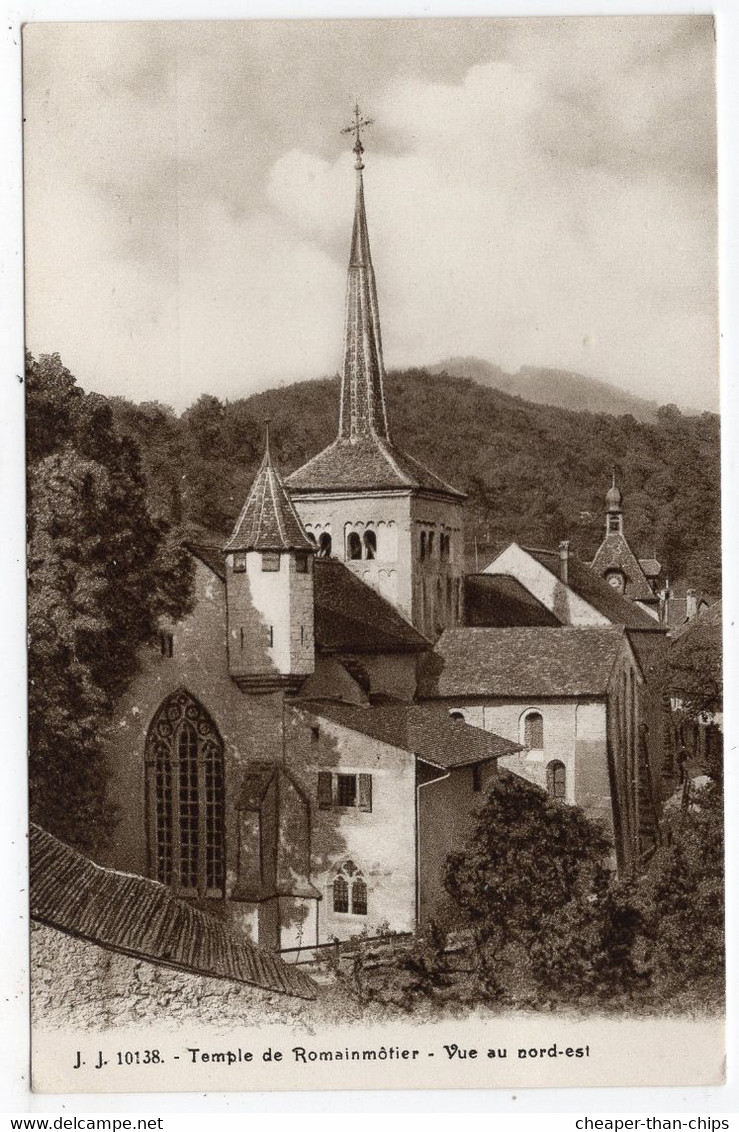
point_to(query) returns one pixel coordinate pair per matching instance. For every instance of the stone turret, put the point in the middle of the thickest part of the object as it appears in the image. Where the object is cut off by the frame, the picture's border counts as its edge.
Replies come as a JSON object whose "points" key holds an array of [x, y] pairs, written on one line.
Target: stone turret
{"points": [[269, 588]]}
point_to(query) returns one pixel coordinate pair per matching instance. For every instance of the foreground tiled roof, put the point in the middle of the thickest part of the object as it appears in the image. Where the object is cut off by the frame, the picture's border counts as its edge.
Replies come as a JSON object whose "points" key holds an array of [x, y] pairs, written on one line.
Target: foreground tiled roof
{"points": [[614, 553], [366, 463], [352, 617], [596, 591], [707, 624], [349, 615], [268, 520], [677, 606], [425, 730], [498, 600], [523, 663], [140, 917]]}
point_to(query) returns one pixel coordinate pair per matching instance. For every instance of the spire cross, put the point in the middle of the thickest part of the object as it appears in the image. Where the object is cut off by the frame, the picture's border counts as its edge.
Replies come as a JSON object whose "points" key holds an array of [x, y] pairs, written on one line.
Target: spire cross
{"points": [[356, 128]]}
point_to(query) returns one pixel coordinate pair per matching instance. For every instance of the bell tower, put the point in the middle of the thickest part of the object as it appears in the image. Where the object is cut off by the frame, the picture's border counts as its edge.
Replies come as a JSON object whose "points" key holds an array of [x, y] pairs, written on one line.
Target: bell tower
{"points": [[269, 589], [394, 523]]}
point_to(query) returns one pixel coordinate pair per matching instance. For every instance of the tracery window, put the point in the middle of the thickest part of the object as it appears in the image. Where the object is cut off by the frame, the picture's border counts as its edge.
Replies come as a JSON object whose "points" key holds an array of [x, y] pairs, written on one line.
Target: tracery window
{"points": [[533, 731], [557, 781], [350, 891], [184, 763]]}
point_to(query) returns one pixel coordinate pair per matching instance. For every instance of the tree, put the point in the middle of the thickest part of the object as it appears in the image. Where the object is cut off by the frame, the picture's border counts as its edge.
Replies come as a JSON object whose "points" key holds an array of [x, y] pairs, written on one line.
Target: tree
{"points": [[529, 858], [101, 572]]}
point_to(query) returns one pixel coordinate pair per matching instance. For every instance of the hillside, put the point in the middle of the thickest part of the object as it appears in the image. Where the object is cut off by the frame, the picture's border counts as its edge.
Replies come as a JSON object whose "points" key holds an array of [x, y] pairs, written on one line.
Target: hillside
{"points": [[534, 473], [560, 388]]}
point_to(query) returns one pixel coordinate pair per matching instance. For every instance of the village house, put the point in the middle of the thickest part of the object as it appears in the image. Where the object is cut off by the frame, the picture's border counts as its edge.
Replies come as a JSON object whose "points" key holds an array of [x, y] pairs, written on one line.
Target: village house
{"points": [[301, 752]]}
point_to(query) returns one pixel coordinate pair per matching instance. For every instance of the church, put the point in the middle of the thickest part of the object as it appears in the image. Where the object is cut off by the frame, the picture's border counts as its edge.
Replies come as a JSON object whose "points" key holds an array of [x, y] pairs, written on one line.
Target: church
{"points": [[301, 752]]}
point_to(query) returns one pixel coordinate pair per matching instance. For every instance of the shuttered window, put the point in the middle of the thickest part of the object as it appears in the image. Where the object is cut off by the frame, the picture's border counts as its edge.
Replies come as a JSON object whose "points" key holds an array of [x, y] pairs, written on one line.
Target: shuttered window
{"points": [[365, 792], [325, 799], [344, 791]]}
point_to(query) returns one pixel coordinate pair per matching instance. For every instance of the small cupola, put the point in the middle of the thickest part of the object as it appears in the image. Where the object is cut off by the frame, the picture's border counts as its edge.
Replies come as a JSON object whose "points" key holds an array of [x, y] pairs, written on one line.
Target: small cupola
{"points": [[614, 508]]}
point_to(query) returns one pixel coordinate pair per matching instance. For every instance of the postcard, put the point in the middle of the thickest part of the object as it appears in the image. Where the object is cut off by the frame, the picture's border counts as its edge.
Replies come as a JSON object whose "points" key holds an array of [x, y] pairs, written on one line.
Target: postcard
{"points": [[374, 554]]}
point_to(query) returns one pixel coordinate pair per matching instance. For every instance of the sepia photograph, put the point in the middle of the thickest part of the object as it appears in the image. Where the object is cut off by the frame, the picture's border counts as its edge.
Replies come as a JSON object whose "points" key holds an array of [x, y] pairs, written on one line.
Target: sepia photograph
{"points": [[375, 696]]}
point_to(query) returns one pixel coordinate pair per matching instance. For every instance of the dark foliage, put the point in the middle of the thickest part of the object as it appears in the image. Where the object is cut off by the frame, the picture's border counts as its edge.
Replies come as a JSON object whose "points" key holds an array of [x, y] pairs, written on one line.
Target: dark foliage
{"points": [[534, 473], [101, 571]]}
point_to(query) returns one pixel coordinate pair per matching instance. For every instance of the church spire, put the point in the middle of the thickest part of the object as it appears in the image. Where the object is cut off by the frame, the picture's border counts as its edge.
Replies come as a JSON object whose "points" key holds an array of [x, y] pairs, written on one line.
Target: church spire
{"points": [[363, 412]]}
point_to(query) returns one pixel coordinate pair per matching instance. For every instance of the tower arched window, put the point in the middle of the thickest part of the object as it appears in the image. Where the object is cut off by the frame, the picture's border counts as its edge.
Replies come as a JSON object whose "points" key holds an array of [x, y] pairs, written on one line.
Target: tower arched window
{"points": [[349, 891], [557, 781], [353, 546], [184, 764], [324, 545], [533, 731], [423, 545], [431, 544], [370, 544], [458, 715]]}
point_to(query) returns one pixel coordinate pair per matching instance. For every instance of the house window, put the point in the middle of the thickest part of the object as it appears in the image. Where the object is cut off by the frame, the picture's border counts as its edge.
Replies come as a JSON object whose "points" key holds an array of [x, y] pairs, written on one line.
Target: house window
{"points": [[353, 546], [344, 791], [184, 768], [341, 895], [240, 562], [301, 562], [324, 545], [166, 644], [350, 891], [270, 560], [477, 777], [370, 544], [533, 731], [557, 781]]}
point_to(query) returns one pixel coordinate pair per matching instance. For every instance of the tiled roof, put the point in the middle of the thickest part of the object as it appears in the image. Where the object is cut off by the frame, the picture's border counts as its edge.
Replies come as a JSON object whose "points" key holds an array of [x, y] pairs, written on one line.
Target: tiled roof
{"points": [[349, 615], [614, 553], [367, 463], [140, 917], [708, 622], [677, 606], [352, 617], [522, 663], [497, 600], [596, 591], [650, 567], [425, 730], [211, 556], [651, 650], [268, 520]]}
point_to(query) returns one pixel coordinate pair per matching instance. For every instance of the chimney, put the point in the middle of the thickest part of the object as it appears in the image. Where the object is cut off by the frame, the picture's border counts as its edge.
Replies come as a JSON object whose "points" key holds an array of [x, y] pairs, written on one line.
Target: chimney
{"points": [[564, 561], [691, 605]]}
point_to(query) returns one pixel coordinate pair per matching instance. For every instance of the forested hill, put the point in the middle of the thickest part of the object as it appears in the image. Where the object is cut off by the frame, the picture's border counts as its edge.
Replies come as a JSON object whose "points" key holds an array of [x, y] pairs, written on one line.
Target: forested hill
{"points": [[534, 473]]}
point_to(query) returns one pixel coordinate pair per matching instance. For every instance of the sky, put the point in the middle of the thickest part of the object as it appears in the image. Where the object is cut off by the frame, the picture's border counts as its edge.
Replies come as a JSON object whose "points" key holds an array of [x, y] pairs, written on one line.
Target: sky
{"points": [[539, 192]]}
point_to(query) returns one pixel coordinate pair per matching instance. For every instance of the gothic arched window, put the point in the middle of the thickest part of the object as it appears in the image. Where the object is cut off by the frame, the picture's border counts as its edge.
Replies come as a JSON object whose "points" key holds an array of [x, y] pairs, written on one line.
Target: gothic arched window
{"points": [[353, 545], [184, 763], [533, 731], [557, 781], [324, 545], [370, 544], [350, 891]]}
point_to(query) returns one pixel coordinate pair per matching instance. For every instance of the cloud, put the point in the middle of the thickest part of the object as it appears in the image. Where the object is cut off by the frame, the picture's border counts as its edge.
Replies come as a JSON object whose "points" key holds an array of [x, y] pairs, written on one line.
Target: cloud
{"points": [[539, 192]]}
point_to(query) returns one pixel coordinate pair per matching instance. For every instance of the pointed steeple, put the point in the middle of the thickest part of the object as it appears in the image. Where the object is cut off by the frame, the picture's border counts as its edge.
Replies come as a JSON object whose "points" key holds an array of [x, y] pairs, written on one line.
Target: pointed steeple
{"points": [[363, 412], [268, 520]]}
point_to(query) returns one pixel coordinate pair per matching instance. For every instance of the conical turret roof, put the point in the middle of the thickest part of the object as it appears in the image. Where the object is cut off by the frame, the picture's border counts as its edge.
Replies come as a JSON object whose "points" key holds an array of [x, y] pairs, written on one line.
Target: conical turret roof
{"points": [[268, 520]]}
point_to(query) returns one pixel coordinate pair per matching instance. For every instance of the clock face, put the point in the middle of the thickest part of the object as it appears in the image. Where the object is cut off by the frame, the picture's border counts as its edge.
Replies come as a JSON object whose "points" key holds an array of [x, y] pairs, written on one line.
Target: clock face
{"points": [[616, 580]]}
